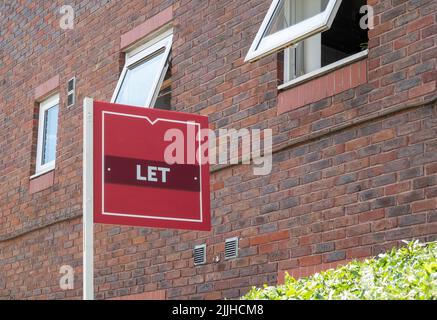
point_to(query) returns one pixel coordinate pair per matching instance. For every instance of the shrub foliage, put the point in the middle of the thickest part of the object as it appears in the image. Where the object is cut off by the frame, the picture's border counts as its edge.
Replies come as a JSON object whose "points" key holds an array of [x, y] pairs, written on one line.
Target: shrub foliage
{"points": [[401, 274]]}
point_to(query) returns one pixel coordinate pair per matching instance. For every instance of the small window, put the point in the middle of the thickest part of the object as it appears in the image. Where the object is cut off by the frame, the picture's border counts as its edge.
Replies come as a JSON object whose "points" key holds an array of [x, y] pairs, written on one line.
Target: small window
{"points": [[47, 134], [144, 72], [290, 21]]}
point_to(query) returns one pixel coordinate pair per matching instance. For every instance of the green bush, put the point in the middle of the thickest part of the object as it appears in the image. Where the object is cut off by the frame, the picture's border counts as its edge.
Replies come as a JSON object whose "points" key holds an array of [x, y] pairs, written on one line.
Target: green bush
{"points": [[406, 273]]}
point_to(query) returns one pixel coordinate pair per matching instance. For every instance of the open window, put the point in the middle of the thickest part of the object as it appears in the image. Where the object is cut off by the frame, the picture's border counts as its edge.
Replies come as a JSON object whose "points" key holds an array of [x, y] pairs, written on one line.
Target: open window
{"points": [[317, 35], [290, 21], [143, 74]]}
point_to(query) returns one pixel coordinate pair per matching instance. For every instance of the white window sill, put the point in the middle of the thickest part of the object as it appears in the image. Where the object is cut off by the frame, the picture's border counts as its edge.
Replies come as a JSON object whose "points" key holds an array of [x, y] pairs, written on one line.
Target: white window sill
{"points": [[322, 71], [42, 172]]}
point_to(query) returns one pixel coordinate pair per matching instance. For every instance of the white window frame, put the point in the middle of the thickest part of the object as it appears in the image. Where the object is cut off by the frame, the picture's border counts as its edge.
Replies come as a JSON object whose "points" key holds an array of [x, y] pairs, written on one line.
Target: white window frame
{"points": [[45, 105], [142, 52], [263, 46]]}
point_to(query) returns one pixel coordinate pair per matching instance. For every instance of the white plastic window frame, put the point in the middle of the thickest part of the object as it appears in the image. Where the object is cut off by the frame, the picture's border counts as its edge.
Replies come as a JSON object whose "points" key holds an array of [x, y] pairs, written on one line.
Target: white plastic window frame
{"points": [[142, 53], [262, 46], [45, 105]]}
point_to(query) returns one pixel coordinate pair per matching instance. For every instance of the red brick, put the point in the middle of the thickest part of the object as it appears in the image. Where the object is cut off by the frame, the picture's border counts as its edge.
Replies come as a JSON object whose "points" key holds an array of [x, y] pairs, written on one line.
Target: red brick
{"points": [[42, 182], [267, 248], [338, 81], [146, 28], [359, 252], [371, 215], [287, 100], [347, 77], [383, 135], [425, 205], [397, 188], [269, 237], [420, 23], [44, 89], [422, 90], [355, 74], [154, 295], [431, 168], [310, 260], [357, 143]]}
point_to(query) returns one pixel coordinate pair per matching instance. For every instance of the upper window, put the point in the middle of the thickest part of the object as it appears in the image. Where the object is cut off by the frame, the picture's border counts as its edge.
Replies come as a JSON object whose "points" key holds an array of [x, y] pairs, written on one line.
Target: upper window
{"points": [[144, 72], [317, 35], [47, 134], [290, 21]]}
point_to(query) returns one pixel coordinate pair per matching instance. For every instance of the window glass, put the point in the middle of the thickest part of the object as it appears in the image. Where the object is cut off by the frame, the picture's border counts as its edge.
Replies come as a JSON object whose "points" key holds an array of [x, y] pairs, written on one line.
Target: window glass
{"points": [[289, 22], [49, 135], [292, 12], [138, 85]]}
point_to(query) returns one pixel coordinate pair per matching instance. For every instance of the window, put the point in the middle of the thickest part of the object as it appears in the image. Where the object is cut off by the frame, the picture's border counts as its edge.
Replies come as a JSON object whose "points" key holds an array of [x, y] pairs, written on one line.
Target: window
{"points": [[144, 72], [289, 21], [314, 33], [47, 134]]}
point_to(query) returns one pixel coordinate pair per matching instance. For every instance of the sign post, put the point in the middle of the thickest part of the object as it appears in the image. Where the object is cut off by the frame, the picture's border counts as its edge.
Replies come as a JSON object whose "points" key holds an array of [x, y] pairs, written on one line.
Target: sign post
{"points": [[87, 219], [142, 167]]}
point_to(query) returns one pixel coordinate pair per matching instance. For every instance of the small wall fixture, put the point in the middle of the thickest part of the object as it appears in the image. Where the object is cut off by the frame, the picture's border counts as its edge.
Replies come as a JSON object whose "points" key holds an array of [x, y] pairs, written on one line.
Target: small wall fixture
{"points": [[71, 92], [231, 248], [199, 254]]}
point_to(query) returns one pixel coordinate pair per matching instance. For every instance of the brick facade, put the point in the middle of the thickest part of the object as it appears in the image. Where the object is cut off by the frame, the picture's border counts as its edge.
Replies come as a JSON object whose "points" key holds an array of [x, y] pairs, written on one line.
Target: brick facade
{"points": [[353, 173]]}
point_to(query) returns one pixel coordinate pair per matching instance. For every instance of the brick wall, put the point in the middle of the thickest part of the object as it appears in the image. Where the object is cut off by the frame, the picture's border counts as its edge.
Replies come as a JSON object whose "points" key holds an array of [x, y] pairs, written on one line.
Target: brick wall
{"points": [[353, 173]]}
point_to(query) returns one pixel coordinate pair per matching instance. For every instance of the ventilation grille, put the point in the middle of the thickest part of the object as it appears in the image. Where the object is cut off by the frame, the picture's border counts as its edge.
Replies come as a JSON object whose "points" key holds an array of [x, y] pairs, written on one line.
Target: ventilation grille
{"points": [[71, 88], [231, 248], [199, 254]]}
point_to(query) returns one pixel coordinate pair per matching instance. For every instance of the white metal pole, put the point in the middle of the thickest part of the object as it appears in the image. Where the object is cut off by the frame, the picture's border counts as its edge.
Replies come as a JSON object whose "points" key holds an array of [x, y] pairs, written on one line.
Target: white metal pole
{"points": [[87, 219]]}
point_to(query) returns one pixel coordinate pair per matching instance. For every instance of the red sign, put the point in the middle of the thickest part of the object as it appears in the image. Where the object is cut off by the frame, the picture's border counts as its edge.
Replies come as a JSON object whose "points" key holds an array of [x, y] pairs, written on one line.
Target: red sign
{"points": [[134, 183]]}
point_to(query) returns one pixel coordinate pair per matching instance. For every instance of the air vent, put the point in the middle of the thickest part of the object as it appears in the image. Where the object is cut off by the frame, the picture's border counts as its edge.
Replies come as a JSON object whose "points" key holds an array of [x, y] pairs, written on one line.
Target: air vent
{"points": [[231, 248], [71, 91], [200, 254]]}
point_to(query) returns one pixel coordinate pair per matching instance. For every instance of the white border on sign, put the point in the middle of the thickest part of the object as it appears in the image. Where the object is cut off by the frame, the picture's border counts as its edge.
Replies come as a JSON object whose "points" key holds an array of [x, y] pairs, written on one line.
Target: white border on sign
{"points": [[152, 123]]}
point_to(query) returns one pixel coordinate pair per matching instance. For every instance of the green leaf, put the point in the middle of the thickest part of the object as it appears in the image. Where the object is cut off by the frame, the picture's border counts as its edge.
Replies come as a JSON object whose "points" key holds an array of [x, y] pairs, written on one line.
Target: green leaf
{"points": [[406, 273]]}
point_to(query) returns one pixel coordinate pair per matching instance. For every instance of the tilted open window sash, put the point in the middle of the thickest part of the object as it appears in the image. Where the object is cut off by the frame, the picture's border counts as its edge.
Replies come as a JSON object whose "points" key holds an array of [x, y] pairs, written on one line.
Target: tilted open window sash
{"points": [[280, 29], [143, 73]]}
